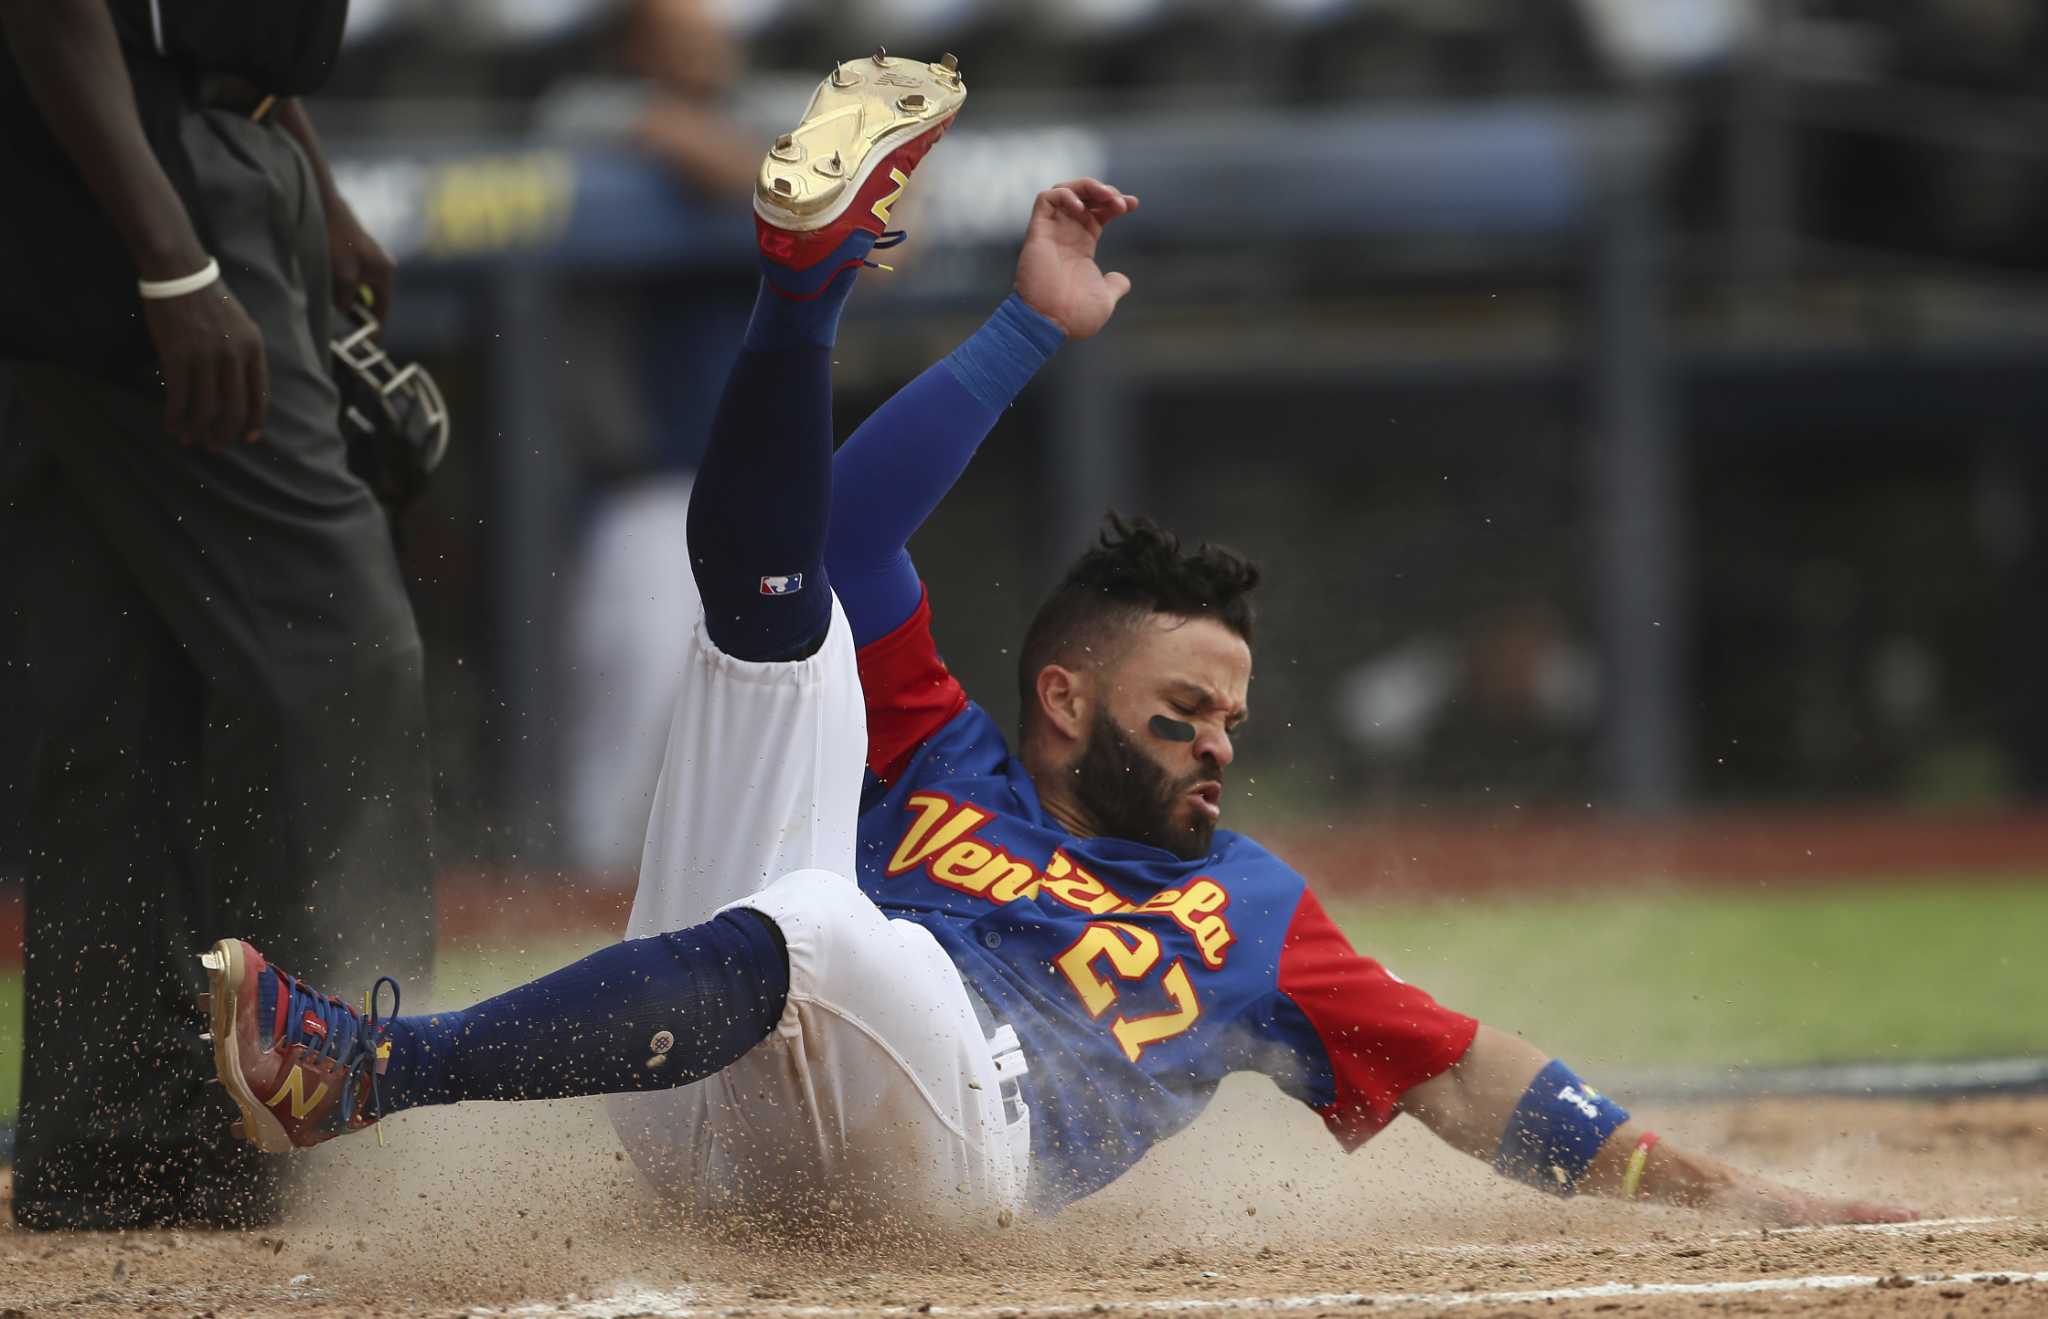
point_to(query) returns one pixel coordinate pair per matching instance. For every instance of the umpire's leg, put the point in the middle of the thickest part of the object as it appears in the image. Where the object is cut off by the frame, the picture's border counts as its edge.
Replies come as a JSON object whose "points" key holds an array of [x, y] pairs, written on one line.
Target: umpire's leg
{"points": [[117, 1126], [273, 569]]}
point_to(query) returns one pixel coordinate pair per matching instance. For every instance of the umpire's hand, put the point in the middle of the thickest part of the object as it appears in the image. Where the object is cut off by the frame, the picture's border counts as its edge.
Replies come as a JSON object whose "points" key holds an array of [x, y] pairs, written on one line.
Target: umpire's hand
{"points": [[363, 272], [216, 379]]}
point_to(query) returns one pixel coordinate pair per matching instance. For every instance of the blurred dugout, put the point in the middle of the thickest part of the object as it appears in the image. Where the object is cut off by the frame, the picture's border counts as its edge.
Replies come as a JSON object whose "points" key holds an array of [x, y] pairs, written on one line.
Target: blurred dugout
{"points": [[1811, 307]]}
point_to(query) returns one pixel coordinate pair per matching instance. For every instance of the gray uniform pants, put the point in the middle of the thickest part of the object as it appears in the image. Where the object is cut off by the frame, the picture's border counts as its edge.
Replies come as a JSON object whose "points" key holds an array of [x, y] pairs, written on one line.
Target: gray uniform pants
{"points": [[228, 683]]}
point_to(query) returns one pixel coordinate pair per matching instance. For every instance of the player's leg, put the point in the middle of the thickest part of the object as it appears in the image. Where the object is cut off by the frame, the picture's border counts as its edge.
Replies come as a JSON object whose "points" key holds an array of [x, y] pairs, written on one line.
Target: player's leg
{"points": [[763, 491], [879, 1098], [764, 764], [304, 1066], [763, 767], [877, 1090]]}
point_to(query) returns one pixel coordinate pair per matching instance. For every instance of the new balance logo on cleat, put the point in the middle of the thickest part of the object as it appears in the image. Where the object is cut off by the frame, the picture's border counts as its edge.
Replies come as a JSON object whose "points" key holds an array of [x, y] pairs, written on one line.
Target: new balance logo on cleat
{"points": [[294, 1089], [301, 1066], [788, 585], [880, 209]]}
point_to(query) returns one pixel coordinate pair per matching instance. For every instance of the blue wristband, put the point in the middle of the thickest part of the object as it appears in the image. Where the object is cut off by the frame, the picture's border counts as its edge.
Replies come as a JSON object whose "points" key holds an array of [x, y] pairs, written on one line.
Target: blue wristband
{"points": [[1556, 1129], [999, 359]]}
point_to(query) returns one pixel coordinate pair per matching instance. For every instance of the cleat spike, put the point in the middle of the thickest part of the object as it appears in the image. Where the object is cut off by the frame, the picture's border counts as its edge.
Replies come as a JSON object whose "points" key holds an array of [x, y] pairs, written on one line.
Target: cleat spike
{"points": [[213, 1080], [870, 123], [213, 961], [238, 1129], [951, 63], [205, 1002], [206, 1037], [785, 148]]}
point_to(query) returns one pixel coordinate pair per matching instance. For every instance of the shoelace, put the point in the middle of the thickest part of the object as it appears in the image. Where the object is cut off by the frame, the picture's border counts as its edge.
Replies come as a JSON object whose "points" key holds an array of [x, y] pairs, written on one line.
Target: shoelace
{"points": [[890, 238], [351, 1037]]}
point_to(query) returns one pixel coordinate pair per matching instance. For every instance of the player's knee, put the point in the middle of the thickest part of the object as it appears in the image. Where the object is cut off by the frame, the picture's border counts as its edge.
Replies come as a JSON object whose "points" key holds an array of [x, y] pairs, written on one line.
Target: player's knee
{"points": [[826, 922]]}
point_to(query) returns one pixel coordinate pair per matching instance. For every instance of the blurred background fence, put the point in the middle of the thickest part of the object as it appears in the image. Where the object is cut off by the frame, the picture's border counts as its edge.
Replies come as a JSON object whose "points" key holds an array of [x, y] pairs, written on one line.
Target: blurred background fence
{"points": [[1636, 403]]}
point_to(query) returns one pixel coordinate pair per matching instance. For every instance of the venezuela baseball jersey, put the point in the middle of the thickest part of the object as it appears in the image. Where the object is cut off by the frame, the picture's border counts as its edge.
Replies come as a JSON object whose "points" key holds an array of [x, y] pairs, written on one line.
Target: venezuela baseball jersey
{"points": [[1135, 980]]}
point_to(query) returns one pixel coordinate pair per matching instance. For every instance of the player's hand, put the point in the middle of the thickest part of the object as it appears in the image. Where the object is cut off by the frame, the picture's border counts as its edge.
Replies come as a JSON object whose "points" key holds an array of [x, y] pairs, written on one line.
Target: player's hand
{"points": [[1774, 1205], [216, 377], [363, 271], [1056, 272]]}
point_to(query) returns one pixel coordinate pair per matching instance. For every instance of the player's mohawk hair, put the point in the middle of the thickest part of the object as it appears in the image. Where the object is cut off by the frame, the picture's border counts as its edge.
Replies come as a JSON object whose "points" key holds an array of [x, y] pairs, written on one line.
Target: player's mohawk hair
{"points": [[1136, 568]]}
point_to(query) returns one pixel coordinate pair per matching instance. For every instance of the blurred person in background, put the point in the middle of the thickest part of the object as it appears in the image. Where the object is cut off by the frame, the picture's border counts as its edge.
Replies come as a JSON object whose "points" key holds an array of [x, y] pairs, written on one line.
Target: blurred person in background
{"points": [[1507, 704], [224, 660], [649, 363]]}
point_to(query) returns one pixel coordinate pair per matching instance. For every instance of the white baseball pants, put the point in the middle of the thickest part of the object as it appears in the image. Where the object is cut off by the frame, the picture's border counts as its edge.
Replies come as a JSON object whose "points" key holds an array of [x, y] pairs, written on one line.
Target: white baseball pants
{"points": [[878, 1093]]}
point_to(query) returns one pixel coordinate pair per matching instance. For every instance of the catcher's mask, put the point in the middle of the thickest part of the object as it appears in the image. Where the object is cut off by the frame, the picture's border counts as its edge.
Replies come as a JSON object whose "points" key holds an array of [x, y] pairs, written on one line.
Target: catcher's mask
{"points": [[392, 416]]}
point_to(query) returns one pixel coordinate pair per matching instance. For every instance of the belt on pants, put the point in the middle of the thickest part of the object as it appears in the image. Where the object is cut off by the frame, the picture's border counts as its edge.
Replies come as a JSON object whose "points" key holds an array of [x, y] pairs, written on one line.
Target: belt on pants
{"points": [[1006, 1051], [222, 91]]}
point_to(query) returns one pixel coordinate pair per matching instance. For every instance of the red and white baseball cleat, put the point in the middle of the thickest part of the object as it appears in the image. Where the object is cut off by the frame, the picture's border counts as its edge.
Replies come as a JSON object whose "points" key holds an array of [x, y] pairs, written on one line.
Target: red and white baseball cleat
{"points": [[826, 188], [301, 1065]]}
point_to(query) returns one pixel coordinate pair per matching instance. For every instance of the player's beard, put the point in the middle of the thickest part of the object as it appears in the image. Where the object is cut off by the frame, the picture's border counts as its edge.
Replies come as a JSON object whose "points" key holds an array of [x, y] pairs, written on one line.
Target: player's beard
{"points": [[1131, 797]]}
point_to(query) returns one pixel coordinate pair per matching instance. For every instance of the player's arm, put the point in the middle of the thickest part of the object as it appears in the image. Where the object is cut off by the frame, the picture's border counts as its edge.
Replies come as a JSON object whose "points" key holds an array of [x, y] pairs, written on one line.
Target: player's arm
{"points": [[358, 265], [893, 471], [1509, 1103], [212, 354]]}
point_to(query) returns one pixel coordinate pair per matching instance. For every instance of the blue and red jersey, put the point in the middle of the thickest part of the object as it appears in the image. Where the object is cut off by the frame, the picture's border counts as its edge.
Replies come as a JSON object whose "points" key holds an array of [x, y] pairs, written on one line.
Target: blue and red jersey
{"points": [[1135, 980]]}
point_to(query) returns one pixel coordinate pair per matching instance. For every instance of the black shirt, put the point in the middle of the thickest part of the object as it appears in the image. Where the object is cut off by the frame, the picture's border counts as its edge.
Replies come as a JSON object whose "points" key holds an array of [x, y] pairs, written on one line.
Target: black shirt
{"points": [[67, 283]]}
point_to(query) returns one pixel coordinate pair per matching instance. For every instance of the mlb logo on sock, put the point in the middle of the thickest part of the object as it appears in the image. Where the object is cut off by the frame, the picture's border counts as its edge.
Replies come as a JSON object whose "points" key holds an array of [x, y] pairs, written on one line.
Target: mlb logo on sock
{"points": [[789, 585]]}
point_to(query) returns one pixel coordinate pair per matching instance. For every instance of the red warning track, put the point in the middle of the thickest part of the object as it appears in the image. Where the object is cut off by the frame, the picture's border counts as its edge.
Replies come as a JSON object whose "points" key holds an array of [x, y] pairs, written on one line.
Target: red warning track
{"points": [[1416, 854], [1470, 853]]}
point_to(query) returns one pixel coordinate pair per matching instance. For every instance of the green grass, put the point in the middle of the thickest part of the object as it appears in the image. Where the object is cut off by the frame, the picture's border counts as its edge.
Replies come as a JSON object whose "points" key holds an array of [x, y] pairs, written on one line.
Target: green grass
{"points": [[1927, 969], [1936, 968], [10, 1043]]}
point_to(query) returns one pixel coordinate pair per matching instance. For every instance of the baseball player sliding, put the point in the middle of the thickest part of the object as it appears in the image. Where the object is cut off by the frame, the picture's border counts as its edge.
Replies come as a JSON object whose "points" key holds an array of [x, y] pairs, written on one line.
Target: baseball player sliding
{"points": [[971, 979]]}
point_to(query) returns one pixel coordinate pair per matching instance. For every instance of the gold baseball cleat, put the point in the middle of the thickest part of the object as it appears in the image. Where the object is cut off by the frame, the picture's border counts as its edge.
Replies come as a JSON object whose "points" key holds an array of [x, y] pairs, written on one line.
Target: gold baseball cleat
{"points": [[866, 112]]}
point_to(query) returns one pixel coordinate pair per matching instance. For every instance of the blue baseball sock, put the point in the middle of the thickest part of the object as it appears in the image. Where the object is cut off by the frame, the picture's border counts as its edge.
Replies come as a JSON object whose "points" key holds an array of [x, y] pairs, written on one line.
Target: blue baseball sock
{"points": [[757, 515], [646, 1014], [796, 308]]}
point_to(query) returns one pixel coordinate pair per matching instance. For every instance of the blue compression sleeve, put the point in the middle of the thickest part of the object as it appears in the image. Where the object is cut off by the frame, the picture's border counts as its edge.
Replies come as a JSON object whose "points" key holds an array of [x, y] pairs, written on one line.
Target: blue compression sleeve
{"points": [[893, 471], [645, 1014], [1556, 1129]]}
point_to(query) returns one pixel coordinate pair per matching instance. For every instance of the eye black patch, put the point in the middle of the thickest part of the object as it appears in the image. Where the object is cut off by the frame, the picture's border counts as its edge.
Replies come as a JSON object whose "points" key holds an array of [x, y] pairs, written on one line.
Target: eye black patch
{"points": [[1172, 730]]}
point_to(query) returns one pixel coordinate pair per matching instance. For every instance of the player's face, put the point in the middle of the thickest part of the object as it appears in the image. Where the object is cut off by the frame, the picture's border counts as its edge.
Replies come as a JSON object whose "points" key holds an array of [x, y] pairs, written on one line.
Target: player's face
{"points": [[1150, 788]]}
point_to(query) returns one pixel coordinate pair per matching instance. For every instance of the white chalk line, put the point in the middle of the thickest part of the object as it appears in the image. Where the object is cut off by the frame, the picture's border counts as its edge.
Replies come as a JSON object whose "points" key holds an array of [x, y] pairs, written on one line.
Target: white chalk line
{"points": [[1450, 1300], [688, 1303], [675, 1305], [1925, 1227], [665, 1304]]}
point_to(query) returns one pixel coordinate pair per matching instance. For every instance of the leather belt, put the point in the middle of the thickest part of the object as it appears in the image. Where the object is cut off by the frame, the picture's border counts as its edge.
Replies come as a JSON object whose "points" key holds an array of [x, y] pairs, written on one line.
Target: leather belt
{"points": [[983, 1013], [1008, 1054], [225, 91]]}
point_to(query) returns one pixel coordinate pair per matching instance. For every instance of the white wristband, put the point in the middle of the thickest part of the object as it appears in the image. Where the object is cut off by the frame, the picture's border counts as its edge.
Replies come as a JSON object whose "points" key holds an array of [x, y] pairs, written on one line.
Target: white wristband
{"points": [[158, 290]]}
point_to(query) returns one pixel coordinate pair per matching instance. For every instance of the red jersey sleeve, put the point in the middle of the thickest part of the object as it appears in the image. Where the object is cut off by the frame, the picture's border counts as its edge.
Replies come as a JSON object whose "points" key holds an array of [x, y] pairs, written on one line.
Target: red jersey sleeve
{"points": [[910, 693], [1382, 1035]]}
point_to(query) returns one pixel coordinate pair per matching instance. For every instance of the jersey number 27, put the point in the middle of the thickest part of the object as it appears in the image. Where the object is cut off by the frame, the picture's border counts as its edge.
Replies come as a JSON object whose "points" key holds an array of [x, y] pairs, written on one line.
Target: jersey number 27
{"points": [[1130, 952]]}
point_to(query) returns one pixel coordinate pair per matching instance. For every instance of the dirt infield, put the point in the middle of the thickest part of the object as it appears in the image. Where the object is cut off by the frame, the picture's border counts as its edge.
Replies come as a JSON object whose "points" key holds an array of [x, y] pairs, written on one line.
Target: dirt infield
{"points": [[529, 1210]]}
